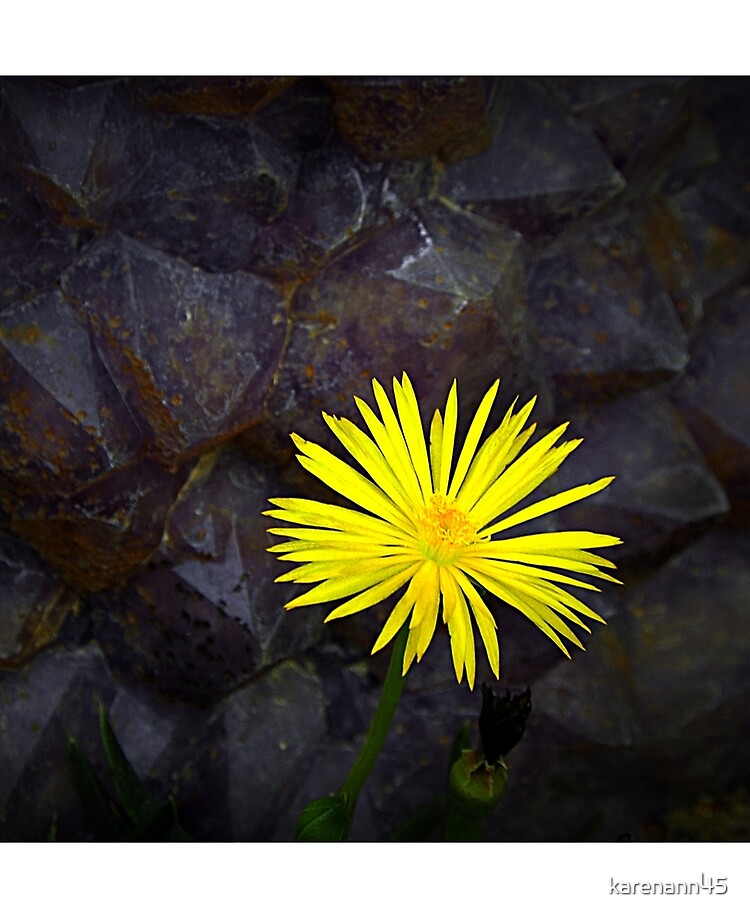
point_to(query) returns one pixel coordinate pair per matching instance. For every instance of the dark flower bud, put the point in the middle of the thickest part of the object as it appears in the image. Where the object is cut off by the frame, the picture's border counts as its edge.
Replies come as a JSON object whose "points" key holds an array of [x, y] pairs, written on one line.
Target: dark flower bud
{"points": [[502, 722]]}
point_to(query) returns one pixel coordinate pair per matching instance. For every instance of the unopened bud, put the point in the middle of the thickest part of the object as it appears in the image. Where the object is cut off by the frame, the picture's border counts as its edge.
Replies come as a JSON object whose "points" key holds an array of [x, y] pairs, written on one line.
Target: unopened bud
{"points": [[476, 787]]}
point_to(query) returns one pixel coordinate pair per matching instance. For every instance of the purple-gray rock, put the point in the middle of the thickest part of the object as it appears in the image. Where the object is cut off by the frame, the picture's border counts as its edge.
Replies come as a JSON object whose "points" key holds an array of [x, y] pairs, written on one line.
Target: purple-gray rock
{"points": [[439, 294], [714, 216], [689, 652], [210, 187], [336, 197], [542, 170], [205, 615], [98, 536], [34, 603], [192, 353], [301, 117], [53, 697], [663, 495], [605, 323], [638, 119], [270, 730], [671, 257], [79, 149], [33, 249], [213, 96], [64, 421], [409, 118], [714, 398]]}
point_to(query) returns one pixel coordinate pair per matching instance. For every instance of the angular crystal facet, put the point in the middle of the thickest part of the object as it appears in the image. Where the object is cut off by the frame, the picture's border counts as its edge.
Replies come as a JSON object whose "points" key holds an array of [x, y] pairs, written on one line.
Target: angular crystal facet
{"points": [[714, 399], [205, 614], [208, 190], [98, 536], [65, 423], [192, 353], [33, 249], [34, 603], [335, 198], [542, 170], [418, 296], [663, 496], [606, 325], [401, 118], [79, 148]]}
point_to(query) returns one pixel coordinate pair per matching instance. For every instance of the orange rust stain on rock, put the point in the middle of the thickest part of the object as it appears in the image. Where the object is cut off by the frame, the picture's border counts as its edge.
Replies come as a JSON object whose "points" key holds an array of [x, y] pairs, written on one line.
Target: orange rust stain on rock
{"points": [[90, 555], [25, 334], [634, 308], [41, 626], [150, 398]]}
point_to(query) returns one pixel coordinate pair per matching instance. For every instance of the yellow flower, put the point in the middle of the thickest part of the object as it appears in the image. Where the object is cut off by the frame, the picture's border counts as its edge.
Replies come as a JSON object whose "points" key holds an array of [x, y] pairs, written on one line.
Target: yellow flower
{"points": [[428, 524]]}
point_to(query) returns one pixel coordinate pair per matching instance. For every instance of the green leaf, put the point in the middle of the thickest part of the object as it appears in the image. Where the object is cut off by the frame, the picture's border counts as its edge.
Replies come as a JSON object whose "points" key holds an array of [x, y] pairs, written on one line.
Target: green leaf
{"points": [[324, 820], [136, 800], [108, 822]]}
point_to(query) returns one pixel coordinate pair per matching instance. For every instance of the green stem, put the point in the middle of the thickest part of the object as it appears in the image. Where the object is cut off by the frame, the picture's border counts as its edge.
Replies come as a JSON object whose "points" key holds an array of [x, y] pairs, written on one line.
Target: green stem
{"points": [[378, 731]]}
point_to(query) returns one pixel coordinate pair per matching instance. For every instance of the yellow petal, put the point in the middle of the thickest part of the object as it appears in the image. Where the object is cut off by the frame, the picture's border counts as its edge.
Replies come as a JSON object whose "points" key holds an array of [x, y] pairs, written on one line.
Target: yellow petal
{"points": [[369, 456], [550, 504], [485, 621], [374, 595], [538, 463], [456, 614], [411, 425], [448, 440], [346, 480], [500, 449], [333, 589], [472, 439]]}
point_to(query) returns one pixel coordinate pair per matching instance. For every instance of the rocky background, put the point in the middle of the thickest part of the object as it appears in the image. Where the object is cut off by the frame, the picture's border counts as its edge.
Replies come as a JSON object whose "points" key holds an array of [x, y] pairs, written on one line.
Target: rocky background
{"points": [[192, 268]]}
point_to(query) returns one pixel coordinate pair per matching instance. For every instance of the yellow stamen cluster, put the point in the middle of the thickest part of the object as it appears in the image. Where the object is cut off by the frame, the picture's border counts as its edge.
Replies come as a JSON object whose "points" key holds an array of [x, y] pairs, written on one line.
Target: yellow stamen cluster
{"points": [[443, 529]]}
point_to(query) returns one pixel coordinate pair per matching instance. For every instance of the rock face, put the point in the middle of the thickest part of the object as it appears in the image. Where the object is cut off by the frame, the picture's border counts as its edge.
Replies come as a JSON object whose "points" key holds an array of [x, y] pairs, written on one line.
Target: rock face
{"points": [[193, 268]]}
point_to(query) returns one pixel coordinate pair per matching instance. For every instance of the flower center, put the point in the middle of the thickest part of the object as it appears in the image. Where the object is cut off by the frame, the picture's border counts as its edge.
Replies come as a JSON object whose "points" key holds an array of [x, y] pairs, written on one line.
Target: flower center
{"points": [[443, 529]]}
